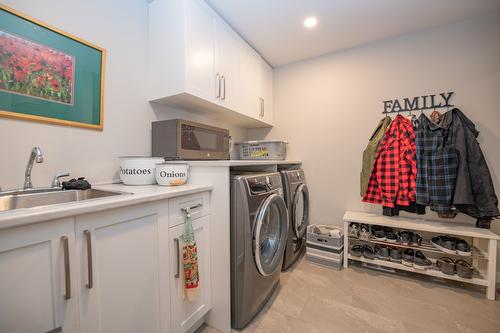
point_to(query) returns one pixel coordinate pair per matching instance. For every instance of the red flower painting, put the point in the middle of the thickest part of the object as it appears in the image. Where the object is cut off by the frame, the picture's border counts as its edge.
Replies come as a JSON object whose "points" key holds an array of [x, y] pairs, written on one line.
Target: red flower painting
{"points": [[35, 70]]}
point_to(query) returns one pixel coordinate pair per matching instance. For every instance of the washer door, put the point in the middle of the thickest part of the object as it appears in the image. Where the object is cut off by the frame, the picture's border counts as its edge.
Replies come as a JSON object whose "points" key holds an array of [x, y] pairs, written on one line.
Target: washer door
{"points": [[270, 234], [300, 211]]}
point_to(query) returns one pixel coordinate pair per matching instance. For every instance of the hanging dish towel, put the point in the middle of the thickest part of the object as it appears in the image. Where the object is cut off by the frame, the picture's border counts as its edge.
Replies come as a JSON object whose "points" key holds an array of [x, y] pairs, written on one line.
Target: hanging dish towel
{"points": [[190, 260]]}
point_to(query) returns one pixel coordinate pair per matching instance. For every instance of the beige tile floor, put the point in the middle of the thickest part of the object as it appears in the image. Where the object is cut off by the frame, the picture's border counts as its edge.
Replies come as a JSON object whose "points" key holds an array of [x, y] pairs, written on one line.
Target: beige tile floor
{"points": [[313, 299]]}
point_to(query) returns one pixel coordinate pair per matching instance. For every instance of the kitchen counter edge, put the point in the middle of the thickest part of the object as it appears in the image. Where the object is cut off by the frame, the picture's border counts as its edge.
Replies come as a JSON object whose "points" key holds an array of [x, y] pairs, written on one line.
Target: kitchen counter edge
{"points": [[134, 195]]}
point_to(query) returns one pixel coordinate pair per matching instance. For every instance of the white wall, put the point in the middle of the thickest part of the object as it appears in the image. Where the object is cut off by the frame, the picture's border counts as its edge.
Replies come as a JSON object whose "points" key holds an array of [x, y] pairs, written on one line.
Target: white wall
{"points": [[328, 107], [119, 26]]}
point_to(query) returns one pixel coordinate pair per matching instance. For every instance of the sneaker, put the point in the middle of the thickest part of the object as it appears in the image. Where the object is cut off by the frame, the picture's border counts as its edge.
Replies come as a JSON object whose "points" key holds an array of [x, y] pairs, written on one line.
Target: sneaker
{"points": [[464, 269], [446, 265], [356, 250], [416, 239], [463, 248], [390, 235], [404, 237], [420, 261], [395, 254], [445, 243], [364, 232], [408, 256], [378, 232], [382, 252], [353, 229], [368, 252]]}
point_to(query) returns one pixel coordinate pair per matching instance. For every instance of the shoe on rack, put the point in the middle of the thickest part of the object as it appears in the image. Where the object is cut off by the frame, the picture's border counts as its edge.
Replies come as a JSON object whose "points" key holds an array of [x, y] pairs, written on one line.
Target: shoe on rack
{"points": [[390, 235], [463, 248], [446, 244], [382, 252], [395, 254], [404, 237], [416, 239], [408, 257], [378, 233], [446, 265], [353, 229], [464, 269], [364, 232], [356, 250], [421, 261], [368, 252]]}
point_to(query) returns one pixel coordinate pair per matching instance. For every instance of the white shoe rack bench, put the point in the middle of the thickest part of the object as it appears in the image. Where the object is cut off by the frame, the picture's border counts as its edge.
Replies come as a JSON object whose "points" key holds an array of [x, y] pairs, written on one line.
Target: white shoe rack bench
{"points": [[483, 256]]}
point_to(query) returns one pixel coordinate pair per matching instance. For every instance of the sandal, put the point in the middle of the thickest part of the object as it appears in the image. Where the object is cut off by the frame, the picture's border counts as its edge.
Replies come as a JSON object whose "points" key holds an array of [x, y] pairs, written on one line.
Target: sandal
{"points": [[446, 265], [357, 250], [353, 229]]}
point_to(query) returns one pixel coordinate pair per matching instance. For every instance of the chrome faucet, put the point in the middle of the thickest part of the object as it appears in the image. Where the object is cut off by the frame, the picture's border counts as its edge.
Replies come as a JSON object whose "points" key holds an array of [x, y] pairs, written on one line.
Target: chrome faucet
{"points": [[36, 155]]}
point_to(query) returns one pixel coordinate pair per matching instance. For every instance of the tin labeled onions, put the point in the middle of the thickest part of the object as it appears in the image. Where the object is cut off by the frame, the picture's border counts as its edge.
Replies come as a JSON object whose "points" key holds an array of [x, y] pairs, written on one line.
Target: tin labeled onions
{"points": [[171, 174]]}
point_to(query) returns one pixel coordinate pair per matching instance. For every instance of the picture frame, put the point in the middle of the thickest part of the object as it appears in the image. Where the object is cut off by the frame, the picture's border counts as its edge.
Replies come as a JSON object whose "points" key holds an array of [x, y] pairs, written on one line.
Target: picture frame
{"points": [[49, 75]]}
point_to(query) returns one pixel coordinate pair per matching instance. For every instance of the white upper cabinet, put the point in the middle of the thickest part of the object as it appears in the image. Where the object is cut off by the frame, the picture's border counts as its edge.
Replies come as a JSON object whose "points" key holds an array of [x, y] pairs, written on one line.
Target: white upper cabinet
{"points": [[266, 92], [197, 61]]}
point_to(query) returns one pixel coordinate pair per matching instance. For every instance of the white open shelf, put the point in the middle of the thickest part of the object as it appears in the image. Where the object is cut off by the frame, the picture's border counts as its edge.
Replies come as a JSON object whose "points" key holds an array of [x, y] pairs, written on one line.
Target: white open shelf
{"points": [[487, 278]]}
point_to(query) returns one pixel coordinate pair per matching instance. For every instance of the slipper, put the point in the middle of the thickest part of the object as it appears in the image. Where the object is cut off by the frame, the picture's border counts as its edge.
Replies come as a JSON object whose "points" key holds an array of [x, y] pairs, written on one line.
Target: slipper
{"points": [[446, 265]]}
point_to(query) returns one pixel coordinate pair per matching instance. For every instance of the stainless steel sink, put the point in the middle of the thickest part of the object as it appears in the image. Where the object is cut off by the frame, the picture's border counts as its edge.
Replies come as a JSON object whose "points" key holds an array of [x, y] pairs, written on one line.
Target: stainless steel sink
{"points": [[44, 197]]}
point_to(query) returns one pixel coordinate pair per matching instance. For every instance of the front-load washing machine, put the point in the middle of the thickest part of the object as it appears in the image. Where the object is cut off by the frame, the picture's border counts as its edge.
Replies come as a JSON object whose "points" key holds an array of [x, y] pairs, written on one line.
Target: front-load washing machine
{"points": [[297, 201], [259, 229]]}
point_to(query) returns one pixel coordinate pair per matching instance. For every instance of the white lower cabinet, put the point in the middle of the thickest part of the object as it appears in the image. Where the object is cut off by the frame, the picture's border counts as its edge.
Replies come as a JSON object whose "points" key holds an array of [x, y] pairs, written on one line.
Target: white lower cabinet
{"points": [[185, 313], [105, 272], [119, 264], [38, 289]]}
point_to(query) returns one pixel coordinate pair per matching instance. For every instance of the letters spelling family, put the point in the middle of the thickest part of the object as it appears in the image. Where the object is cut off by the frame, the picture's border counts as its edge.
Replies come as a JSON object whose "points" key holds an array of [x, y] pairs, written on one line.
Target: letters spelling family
{"points": [[418, 103]]}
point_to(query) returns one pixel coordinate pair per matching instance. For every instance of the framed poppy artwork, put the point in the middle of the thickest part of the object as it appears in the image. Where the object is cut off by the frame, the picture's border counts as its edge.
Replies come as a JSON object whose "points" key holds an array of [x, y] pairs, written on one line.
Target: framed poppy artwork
{"points": [[48, 75]]}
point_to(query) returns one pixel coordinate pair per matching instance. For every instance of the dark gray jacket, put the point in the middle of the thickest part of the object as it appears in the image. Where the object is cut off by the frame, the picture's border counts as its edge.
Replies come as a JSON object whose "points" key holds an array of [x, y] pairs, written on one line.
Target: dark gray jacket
{"points": [[474, 193]]}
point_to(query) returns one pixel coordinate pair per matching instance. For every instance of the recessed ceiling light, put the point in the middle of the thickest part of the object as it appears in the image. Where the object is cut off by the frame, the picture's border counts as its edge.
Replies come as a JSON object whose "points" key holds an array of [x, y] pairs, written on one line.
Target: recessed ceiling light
{"points": [[310, 22]]}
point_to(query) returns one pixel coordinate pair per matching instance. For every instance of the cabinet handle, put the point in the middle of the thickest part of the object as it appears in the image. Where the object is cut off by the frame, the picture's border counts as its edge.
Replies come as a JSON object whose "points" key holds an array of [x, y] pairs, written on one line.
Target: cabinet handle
{"points": [[90, 272], [67, 270], [261, 107], [184, 210], [224, 87], [178, 253], [217, 85]]}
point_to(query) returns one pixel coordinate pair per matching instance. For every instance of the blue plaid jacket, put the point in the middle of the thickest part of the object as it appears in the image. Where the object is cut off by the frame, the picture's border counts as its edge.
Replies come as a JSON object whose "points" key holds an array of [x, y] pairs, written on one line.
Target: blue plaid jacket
{"points": [[436, 167]]}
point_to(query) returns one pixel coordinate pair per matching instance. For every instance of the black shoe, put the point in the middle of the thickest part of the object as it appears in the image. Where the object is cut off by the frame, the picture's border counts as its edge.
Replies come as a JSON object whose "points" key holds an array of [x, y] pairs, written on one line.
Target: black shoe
{"points": [[382, 252], [378, 233], [368, 252], [421, 261], [408, 257], [395, 254], [416, 239], [404, 237], [390, 235], [357, 250]]}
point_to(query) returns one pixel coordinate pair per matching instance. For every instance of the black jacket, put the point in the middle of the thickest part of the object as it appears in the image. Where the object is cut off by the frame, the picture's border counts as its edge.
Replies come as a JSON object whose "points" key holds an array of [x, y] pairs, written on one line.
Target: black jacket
{"points": [[474, 192]]}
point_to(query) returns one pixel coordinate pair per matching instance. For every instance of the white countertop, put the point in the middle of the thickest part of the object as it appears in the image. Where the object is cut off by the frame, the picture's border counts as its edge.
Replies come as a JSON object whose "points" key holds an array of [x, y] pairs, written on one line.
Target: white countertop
{"points": [[230, 163], [135, 195]]}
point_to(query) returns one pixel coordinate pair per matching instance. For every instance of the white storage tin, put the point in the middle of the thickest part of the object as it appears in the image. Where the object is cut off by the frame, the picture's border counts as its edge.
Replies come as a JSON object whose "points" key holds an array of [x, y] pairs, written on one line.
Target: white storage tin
{"points": [[172, 174], [262, 150], [138, 170]]}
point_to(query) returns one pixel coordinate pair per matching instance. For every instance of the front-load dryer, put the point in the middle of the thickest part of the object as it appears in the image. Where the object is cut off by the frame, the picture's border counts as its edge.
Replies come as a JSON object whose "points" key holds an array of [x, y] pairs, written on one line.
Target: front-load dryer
{"points": [[297, 201], [259, 229]]}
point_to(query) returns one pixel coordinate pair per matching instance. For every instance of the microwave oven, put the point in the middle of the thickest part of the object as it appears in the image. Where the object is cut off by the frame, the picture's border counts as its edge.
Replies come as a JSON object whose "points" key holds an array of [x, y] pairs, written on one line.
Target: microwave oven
{"points": [[187, 140]]}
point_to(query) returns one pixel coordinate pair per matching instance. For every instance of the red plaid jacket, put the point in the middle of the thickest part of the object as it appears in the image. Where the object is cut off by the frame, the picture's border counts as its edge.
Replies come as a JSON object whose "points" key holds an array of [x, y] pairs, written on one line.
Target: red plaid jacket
{"points": [[395, 169]]}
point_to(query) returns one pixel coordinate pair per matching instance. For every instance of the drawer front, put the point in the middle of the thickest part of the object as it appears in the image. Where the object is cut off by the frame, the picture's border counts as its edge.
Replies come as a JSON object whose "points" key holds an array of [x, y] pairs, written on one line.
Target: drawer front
{"points": [[198, 203]]}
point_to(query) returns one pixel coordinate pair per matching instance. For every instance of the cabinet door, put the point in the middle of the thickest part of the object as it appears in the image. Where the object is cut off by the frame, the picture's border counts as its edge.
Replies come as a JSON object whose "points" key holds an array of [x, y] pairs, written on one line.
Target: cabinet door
{"points": [[228, 65], [266, 93], [119, 265], [200, 50], [184, 312], [250, 82], [38, 278]]}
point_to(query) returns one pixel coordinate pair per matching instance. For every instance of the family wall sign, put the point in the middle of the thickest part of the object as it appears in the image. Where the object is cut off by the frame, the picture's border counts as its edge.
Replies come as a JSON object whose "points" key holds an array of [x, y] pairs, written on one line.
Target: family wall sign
{"points": [[425, 102]]}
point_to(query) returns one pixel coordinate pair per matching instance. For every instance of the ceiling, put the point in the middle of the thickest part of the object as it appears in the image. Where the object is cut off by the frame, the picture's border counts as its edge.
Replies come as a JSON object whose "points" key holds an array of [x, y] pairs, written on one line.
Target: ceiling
{"points": [[275, 27]]}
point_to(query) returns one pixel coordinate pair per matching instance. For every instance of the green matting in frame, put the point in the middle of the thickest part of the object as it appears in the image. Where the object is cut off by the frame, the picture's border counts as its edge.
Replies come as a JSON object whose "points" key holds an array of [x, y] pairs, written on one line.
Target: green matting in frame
{"points": [[49, 75]]}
